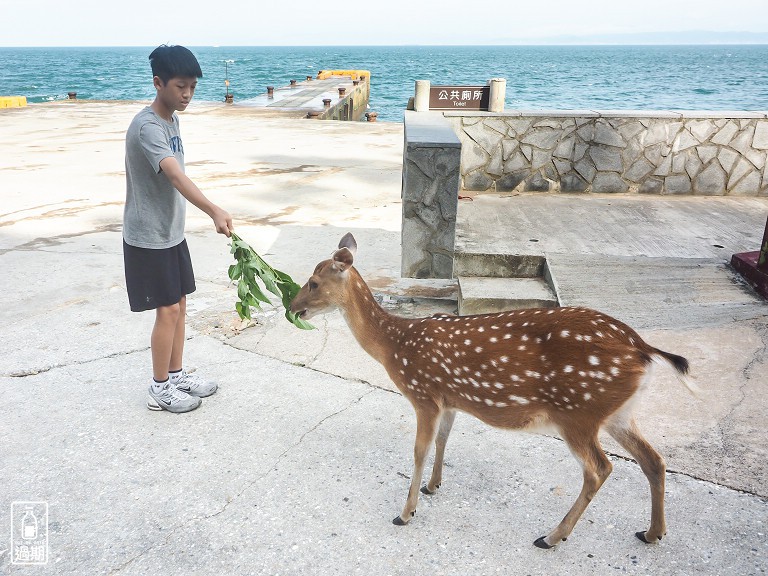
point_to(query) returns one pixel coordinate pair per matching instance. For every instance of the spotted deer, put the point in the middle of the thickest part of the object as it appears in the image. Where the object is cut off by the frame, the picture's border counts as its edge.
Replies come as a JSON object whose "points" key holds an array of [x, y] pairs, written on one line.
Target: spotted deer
{"points": [[572, 369]]}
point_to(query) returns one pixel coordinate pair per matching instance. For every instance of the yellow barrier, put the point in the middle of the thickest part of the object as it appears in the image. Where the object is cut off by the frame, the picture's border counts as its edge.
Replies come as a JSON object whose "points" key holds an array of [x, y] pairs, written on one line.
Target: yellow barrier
{"points": [[354, 74], [13, 101]]}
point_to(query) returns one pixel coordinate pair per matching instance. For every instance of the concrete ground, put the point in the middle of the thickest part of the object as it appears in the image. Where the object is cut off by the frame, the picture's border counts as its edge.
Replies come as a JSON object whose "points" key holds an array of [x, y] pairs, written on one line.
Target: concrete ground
{"points": [[300, 461]]}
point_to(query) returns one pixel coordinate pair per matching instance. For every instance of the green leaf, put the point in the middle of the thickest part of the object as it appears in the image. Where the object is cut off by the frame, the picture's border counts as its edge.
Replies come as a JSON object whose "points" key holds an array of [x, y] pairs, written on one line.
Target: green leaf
{"points": [[249, 266]]}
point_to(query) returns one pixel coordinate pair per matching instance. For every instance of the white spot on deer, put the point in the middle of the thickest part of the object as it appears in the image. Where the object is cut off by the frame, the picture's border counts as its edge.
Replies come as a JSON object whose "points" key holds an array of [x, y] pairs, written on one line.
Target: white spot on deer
{"points": [[587, 396], [498, 385], [434, 359], [594, 360], [565, 334], [504, 359], [481, 329], [524, 337], [599, 334], [507, 336], [568, 369], [479, 349], [613, 326], [614, 371], [489, 402], [515, 378], [494, 339], [551, 312], [519, 399], [521, 348], [467, 342], [532, 374]]}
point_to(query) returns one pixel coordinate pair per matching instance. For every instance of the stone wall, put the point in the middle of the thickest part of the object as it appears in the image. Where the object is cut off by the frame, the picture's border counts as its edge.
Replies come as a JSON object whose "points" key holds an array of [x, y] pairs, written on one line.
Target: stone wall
{"points": [[700, 153], [430, 193]]}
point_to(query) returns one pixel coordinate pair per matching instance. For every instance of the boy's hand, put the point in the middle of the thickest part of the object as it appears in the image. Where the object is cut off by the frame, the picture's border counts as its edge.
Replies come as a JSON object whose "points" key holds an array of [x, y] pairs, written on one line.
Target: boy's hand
{"points": [[223, 221]]}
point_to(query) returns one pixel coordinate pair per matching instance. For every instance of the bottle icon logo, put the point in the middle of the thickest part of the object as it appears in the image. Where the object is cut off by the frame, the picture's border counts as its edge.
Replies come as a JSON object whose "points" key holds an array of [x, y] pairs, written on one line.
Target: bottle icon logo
{"points": [[29, 532], [29, 524]]}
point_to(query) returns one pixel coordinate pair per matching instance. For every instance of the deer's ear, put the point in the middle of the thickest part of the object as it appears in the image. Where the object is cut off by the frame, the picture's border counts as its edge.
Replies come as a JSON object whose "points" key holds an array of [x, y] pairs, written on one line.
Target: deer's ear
{"points": [[348, 242], [342, 259]]}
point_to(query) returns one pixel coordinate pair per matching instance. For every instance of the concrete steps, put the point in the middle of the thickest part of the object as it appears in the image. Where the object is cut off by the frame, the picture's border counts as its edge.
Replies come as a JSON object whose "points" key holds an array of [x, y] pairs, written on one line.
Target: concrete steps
{"points": [[499, 282]]}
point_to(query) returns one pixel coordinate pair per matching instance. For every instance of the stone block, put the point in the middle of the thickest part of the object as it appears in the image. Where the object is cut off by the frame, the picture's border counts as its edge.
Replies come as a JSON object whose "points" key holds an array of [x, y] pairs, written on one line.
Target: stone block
{"points": [[540, 158], [639, 170], [743, 140], [651, 186], [741, 169], [543, 138], [562, 166], [477, 181], [572, 182], [749, 185], [711, 180], [760, 139], [631, 153], [664, 167], [511, 180], [497, 124], [701, 129], [586, 132], [725, 134], [495, 165], [579, 149], [609, 182], [630, 129], [415, 260], [473, 157], [484, 137], [706, 152], [508, 146], [692, 164], [527, 151], [727, 158], [606, 159], [537, 183], [564, 149], [519, 126], [517, 162], [586, 169], [678, 184], [757, 157], [655, 134], [608, 135], [678, 163], [442, 266], [683, 141], [430, 215]]}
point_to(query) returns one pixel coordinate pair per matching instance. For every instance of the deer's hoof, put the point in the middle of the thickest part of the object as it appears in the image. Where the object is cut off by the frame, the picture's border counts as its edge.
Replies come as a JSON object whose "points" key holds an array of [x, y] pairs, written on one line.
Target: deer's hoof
{"points": [[427, 491], [541, 543], [642, 538], [398, 521]]}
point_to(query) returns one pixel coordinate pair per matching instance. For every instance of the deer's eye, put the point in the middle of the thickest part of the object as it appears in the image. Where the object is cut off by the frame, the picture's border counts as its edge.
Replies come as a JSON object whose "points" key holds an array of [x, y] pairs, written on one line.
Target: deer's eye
{"points": [[312, 285]]}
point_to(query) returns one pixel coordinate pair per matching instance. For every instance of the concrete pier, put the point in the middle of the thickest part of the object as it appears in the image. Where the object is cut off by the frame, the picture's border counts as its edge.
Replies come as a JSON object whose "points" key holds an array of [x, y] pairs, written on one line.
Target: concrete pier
{"points": [[347, 90]]}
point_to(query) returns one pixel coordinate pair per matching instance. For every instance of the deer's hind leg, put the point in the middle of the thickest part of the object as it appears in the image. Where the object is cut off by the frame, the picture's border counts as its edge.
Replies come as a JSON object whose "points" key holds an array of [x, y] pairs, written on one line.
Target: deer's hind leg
{"points": [[626, 433], [446, 423], [587, 450]]}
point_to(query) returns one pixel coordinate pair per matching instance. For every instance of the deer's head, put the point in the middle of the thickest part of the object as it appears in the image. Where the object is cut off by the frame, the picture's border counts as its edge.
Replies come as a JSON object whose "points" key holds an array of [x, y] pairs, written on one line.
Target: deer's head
{"points": [[326, 289]]}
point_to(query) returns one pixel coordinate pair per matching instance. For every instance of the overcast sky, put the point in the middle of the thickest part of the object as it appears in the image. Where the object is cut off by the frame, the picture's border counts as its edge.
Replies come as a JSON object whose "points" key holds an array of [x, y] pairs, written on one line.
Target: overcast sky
{"points": [[335, 22]]}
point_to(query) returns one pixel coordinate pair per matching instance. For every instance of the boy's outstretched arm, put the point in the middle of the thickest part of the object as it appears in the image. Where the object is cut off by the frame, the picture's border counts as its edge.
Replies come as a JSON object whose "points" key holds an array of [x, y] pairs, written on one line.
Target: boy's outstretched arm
{"points": [[221, 218]]}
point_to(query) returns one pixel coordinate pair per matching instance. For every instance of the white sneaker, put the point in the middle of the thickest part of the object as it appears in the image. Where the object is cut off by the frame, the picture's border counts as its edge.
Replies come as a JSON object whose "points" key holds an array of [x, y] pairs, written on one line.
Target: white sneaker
{"points": [[171, 399], [193, 384]]}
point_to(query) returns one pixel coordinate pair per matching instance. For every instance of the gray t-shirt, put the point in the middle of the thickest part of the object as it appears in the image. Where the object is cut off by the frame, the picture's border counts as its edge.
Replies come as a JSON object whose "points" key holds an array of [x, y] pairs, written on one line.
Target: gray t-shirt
{"points": [[154, 211]]}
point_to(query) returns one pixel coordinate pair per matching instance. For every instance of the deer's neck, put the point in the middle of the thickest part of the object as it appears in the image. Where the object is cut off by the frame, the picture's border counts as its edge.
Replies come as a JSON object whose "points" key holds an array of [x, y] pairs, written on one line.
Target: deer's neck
{"points": [[377, 331]]}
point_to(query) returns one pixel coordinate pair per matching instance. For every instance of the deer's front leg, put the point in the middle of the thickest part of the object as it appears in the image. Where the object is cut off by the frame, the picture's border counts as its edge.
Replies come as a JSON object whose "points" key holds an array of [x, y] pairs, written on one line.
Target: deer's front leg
{"points": [[426, 425]]}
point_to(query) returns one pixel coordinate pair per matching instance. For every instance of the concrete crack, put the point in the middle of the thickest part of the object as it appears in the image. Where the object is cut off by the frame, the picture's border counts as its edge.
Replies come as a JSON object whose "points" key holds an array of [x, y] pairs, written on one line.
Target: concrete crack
{"points": [[247, 487], [36, 371]]}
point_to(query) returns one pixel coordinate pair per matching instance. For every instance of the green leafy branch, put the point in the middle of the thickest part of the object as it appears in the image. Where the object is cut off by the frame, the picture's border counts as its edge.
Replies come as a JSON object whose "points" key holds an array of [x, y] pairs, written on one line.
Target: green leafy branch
{"points": [[249, 266]]}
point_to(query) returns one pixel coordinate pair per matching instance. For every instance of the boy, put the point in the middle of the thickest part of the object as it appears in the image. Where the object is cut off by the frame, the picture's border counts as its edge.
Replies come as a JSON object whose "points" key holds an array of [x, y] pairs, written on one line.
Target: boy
{"points": [[158, 269]]}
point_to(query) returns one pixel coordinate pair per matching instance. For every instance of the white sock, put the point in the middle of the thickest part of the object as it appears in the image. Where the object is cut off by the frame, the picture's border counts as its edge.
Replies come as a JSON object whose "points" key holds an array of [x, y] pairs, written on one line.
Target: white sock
{"points": [[175, 375], [158, 386]]}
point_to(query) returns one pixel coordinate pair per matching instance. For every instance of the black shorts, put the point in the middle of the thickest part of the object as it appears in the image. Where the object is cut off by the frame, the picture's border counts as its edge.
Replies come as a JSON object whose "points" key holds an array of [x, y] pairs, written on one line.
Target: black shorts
{"points": [[157, 278]]}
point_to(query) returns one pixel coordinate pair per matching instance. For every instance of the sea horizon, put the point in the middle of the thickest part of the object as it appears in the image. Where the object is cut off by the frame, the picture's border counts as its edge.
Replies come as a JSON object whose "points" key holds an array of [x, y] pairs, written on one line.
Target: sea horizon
{"points": [[553, 76]]}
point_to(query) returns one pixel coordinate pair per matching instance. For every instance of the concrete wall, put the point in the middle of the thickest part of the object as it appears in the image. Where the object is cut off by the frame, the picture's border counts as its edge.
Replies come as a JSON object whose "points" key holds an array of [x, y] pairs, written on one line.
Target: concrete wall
{"points": [[430, 193], [700, 153]]}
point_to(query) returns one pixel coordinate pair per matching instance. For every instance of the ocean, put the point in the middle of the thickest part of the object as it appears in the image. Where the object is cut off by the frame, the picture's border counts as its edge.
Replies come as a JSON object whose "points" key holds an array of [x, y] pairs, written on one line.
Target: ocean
{"points": [[711, 77]]}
